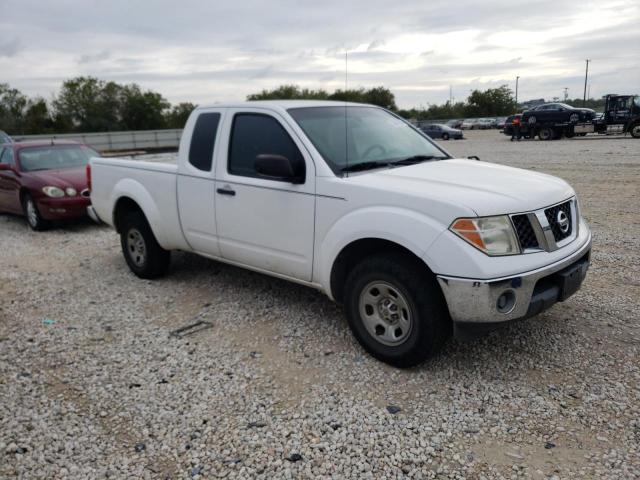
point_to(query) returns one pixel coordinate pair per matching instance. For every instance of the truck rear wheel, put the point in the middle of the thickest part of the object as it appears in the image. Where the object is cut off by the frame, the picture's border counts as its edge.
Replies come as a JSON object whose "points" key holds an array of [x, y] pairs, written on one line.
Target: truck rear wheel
{"points": [[145, 257], [635, 130], [545, 133], [396, 310]]}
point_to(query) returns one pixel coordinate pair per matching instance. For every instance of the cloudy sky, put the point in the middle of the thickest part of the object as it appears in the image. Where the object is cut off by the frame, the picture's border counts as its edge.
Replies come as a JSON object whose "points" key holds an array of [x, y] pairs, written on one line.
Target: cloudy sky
{"points": [[213, 50]]}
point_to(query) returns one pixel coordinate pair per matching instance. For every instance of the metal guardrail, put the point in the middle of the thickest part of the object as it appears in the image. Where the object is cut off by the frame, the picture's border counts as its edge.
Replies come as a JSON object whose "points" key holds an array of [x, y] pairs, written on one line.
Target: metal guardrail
{"points": [[107, 141]]}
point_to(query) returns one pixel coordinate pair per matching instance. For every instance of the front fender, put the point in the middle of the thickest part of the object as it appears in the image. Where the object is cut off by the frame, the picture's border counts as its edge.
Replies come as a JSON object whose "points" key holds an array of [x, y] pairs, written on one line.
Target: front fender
{"points": [[134, 190], [408, 228]]}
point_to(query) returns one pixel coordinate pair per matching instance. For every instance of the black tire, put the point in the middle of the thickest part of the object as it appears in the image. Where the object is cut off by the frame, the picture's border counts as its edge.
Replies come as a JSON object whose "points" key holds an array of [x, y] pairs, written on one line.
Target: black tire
{"points": [[429, 321], [569, 134], [445, 136], [34, 219], [532, 120], [546, 133], [145, 257], [634, 130]]}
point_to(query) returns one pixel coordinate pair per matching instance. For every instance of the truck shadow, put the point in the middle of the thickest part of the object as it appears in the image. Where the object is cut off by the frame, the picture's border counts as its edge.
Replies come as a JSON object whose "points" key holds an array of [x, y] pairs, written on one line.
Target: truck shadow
{"points": [[515, 347]]}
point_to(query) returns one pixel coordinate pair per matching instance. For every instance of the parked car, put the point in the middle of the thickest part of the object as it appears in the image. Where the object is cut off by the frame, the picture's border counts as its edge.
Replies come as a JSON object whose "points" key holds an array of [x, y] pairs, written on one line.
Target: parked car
{"points": [[457, 124], [469, 124], [4, 138], [436, 130], [44, 181], [557, 113], [500, 122], [414, 243], [484, 123]]}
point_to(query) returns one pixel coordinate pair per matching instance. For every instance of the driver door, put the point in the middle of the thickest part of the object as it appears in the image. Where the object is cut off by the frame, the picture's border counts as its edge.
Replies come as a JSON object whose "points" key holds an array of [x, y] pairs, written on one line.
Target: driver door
{"points": [[264, 223]]}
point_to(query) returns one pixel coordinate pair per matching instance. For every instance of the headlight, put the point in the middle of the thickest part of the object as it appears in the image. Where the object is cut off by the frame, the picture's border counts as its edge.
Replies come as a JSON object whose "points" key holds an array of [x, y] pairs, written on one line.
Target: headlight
{"points": [[492, 235], [54, 192], [72, 192]]}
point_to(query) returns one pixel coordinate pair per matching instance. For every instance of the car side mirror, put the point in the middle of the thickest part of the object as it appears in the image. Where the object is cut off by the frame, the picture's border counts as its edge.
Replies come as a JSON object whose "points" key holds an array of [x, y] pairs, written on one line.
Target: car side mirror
{"points": [[277, 167], [473, 157]]}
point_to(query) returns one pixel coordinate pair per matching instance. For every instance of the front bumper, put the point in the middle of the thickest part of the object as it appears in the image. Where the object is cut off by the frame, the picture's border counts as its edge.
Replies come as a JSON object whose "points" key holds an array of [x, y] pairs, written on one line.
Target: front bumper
{"points": [[494, 301], [63, 208]]}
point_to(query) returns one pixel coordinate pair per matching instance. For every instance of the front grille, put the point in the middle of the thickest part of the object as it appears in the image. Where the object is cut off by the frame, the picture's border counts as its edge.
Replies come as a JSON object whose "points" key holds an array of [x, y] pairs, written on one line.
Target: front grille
{"points": [[552, 216], [524, 230]]}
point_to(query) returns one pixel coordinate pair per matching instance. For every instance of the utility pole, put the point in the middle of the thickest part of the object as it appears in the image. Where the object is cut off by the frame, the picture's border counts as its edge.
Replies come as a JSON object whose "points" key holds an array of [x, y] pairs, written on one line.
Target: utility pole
{"points": [[566, 95], [586, 75], [517, 78]]}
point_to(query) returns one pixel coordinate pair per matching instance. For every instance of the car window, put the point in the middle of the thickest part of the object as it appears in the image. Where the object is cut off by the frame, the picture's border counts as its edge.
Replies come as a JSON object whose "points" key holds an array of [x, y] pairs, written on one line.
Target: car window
{"points": [[254, 134], [7, 156], [54, 157], [203, 140]]}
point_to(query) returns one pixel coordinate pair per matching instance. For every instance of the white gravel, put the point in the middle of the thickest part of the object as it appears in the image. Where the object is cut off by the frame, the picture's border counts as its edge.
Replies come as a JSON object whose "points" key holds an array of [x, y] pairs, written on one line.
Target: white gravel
{"points": [[92, 385]]}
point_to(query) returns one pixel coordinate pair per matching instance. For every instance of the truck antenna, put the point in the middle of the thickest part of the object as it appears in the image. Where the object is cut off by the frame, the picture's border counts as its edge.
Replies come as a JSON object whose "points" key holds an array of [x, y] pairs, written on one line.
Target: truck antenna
{"points": [[346, 134]]}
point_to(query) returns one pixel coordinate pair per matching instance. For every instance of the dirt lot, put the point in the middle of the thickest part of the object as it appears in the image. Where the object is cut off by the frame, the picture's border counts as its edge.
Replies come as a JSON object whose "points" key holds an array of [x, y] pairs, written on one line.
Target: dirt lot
{"points": [[92, 385]]}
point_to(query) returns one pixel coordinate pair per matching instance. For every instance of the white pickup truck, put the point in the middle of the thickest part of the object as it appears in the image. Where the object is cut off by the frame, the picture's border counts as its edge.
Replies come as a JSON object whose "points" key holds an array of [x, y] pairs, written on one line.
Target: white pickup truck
{"points": [[356, 202]]}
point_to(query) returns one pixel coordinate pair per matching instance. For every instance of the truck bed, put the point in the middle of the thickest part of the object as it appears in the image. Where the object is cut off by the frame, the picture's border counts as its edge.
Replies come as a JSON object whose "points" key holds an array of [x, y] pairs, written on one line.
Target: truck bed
{"points": [[151, 184]]}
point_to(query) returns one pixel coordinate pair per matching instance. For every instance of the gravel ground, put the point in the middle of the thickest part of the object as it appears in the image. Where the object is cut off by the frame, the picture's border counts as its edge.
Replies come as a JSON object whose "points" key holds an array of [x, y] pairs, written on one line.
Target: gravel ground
{"points": [[92, 384]]}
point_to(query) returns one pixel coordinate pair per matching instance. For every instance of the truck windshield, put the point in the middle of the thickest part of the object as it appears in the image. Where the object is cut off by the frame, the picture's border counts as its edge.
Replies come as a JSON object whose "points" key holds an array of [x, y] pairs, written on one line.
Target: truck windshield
{"points": [[55, 157], [361, 138]]}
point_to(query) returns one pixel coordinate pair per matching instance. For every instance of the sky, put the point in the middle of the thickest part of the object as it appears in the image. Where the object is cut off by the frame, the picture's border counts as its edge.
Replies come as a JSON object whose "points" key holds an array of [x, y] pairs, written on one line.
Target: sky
{"points": [[213, 51]]}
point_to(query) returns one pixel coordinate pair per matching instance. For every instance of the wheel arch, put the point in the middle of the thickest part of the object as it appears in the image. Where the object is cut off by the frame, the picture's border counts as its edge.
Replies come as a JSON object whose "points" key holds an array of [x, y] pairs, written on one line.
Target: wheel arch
{"points": [[356, 251]]}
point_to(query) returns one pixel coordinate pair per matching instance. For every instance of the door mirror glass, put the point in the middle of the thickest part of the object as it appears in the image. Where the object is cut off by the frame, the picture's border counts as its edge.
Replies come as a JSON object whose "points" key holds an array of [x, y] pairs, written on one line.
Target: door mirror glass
{"points": [[277, 167]]}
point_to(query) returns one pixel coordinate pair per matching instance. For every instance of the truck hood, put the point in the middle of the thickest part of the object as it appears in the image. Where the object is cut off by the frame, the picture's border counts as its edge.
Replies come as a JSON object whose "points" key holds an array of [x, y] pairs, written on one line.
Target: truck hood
{"points": [[485, 188]]}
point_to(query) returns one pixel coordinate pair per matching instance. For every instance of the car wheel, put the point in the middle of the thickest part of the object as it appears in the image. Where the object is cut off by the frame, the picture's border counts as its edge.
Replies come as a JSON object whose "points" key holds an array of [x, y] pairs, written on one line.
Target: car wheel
{"points": [[574, 117], [396, 310], [635, 130], [34, 219], [145, 257], [445, 136], [532, 120], [545, 133], [569, 134]]}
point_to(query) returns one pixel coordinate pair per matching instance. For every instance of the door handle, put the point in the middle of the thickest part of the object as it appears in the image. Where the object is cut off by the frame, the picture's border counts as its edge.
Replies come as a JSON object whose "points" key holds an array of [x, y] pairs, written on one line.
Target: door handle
{"points": [[226, 191]]}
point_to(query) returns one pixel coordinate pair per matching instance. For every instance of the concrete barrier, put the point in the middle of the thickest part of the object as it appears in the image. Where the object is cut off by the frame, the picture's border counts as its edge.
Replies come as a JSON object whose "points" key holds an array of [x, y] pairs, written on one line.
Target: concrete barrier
{"points": [[107, 141]]}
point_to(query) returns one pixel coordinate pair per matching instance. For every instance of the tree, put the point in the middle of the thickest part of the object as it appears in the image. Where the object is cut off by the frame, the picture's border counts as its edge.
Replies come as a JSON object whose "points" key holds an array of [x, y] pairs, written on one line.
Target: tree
{"points": [[380, 96], [87, 104], [37, 118], [177, 116], [12, 106], [491, 102], [140, 110], [289, 92]]}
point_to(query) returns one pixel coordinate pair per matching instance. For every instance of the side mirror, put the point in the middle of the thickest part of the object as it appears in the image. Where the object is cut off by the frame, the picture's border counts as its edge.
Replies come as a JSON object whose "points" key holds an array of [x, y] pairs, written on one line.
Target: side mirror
{"points": [[277, 167], [5, 166], [473, 157]]}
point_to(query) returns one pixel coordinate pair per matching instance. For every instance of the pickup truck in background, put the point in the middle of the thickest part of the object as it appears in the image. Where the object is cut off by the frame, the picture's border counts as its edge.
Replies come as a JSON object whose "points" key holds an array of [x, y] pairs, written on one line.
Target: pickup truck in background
{"points": [[356, 202]]}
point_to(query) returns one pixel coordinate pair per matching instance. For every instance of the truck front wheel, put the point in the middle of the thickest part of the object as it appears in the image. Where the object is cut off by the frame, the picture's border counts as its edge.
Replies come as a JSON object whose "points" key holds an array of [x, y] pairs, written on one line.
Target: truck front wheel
{"points": [[145, 257], [635, 130], [396, 310]]}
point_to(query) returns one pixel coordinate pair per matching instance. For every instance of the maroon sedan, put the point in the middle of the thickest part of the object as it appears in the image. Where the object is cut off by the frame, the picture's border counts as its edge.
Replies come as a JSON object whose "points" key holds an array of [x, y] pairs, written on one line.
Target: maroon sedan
{"points": [[44, 180]]}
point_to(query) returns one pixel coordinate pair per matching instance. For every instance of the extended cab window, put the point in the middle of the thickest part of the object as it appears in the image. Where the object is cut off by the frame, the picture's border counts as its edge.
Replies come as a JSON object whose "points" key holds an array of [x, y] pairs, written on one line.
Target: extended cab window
{"points": [[256, 134], [203, 140]]}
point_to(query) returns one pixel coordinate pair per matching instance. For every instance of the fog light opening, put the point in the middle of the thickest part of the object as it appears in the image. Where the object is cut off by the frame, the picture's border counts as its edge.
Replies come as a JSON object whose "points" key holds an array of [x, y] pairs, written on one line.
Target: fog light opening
{"points": [[506, 301]]}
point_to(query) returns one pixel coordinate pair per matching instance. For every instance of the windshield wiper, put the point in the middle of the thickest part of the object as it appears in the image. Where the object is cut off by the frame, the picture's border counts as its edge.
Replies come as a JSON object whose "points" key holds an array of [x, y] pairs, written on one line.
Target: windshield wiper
{"points": [[415, 159], [357, 167]]}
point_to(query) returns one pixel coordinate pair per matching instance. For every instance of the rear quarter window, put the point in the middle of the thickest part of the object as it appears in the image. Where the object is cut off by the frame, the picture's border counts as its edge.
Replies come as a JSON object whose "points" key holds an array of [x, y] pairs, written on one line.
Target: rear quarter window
{"points": [[203, 140]]}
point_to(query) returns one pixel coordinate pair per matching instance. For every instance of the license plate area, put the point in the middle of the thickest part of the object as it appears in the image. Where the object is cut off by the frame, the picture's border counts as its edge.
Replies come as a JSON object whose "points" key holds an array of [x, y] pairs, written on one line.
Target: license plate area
{"points": [[570, 279]]}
